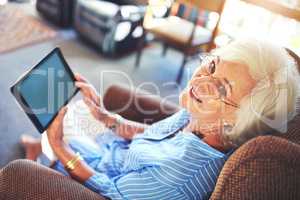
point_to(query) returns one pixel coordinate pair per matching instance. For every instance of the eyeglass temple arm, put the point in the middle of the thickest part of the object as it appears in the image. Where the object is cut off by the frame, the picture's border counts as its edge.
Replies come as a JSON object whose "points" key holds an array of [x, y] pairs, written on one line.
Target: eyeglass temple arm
{"points": [[229, 102]]}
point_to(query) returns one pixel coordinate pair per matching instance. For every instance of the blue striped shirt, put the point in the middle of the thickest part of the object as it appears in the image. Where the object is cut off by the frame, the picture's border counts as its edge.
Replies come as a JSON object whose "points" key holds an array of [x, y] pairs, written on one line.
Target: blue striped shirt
{"points": [[162, 163]]}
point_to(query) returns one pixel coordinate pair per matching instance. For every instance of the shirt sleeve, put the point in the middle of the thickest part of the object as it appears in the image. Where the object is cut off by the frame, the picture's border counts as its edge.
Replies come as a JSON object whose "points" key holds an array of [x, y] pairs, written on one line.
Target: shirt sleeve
{"points": [[134, 185], [161, 182], [102, 184]]}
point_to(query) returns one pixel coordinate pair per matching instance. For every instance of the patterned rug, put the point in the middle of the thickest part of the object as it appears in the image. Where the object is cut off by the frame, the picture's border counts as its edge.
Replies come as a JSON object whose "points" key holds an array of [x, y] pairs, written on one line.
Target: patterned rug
{"points": [[17, 29]]}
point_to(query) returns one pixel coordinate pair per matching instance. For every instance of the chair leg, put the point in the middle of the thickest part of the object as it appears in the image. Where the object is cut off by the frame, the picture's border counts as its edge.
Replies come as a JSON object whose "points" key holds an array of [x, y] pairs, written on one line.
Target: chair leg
{"points": [[140, 51], [138, 58], [180, 74], [165, 48]]}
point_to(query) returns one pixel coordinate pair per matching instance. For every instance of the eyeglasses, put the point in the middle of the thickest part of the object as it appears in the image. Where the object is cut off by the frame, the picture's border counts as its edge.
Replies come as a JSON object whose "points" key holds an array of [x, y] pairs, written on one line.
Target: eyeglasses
{"points": [[209, 61], [215, 87]]}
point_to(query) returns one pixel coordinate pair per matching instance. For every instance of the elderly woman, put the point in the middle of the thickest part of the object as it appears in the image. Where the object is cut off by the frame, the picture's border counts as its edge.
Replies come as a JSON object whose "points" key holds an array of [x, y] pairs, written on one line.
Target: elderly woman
{"points": [[243, 90]]}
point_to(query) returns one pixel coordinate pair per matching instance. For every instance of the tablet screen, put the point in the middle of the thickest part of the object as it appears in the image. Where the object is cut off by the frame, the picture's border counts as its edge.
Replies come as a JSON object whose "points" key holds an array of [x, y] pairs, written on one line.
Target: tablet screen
{"points": [[47, 88]]}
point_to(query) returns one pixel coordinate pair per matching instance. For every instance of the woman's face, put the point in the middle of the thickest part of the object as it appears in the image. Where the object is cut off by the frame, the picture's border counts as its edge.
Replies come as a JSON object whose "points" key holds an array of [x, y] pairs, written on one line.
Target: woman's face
{"points": [[216, 89]]}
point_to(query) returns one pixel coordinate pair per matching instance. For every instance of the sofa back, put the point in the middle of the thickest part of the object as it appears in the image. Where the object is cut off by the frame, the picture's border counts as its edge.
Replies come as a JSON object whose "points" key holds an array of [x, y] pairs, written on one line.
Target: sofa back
{"points": [[293, 132], [266, 167]]}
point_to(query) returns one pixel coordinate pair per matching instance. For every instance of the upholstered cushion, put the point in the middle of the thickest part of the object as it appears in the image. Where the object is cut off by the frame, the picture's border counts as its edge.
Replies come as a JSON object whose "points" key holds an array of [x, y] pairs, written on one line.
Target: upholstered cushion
{"points": [[266, 167], [293, 133], [27, 180], [100, 7], [179, 30], [137, 105], [94, 19]]}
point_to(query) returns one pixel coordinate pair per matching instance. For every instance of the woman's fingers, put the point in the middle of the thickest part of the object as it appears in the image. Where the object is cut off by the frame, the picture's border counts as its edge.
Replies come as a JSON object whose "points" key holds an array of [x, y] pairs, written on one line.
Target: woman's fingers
{"points": [[82, 85], [80, 78], [84, 88], [94, 109], [60, 117], [96, 100], [55, 130], [88, 102], [62, 113], [88, 91]]}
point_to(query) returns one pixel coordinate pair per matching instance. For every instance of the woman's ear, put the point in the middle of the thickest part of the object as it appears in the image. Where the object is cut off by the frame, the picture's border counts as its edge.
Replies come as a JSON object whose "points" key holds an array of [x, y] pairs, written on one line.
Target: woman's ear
{"points": [[227, 128]]}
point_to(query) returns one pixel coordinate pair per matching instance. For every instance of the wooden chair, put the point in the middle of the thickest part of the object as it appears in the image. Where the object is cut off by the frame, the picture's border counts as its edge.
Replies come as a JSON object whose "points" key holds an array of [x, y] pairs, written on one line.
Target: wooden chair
{"points": [[184, 29]]}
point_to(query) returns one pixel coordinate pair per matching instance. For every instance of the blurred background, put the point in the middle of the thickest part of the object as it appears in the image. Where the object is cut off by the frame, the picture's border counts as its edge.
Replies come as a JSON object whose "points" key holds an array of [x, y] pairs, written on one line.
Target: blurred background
{"points": [[153, 45]]}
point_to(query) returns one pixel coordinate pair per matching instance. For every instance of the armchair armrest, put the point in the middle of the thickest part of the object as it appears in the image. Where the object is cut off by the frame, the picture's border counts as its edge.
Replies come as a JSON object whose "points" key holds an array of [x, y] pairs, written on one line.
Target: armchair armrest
{"points": [[24, 179], [137, 105], [267, 167]]}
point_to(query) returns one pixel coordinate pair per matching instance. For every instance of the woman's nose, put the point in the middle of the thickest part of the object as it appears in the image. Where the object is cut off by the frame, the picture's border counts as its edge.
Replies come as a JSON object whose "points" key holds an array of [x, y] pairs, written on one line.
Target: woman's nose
{"points": [[202, 72], [205, 87]]}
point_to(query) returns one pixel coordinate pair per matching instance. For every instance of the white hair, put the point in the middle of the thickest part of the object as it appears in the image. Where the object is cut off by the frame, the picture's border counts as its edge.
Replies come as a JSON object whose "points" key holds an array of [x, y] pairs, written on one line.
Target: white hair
{"points": [[272, 102]]}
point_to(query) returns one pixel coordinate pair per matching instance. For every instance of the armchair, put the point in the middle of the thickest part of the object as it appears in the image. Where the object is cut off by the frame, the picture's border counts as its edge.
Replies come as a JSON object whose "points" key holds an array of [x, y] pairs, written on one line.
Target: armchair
{"points": [[186, 28], [108, 26], [267, 167]]}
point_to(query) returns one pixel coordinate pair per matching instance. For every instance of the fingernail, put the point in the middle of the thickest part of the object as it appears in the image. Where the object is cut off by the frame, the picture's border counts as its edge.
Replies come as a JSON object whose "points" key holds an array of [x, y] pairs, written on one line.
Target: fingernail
{"points": [[64, 109]]}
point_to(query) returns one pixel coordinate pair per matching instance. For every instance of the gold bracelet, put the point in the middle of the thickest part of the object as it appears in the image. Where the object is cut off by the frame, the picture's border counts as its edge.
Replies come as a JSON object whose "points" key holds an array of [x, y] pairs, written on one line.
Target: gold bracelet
{"points": [[71, 164]]}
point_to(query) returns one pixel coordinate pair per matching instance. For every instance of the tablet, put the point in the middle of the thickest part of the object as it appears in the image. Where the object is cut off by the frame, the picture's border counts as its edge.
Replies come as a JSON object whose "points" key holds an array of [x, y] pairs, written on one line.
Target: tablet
{"points": [[45, 89]]}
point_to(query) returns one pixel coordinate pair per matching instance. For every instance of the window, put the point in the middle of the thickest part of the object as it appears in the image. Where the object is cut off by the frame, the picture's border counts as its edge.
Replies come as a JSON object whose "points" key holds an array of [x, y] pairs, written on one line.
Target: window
{"points": [[245, 19]]}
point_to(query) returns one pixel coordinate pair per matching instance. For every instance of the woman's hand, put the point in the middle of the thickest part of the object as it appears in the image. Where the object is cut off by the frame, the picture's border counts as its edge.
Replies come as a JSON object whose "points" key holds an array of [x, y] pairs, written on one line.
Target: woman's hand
{"points": [[91, 98], [126, 129], [55, 131], [87, 89], [64, 153]]}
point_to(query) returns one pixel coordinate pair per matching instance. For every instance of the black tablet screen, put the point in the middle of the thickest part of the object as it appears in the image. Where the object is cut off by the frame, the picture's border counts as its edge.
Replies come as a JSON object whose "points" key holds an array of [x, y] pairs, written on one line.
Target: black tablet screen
{"points": [[47, 88]]}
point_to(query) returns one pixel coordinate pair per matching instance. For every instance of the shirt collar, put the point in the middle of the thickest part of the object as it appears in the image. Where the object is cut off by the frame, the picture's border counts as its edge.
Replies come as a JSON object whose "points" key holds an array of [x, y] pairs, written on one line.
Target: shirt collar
{"points": [[166, 127]]}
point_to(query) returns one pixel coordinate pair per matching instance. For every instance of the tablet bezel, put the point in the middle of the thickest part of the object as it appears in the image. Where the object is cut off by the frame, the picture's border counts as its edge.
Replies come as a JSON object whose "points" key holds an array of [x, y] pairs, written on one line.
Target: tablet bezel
{"points": [[22, 102]]}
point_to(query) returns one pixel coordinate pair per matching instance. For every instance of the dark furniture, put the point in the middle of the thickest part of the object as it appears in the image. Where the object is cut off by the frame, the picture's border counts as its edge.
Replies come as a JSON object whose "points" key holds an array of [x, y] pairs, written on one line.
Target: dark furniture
{"points": [[60, 12], [111, 28], [185, 27]]}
